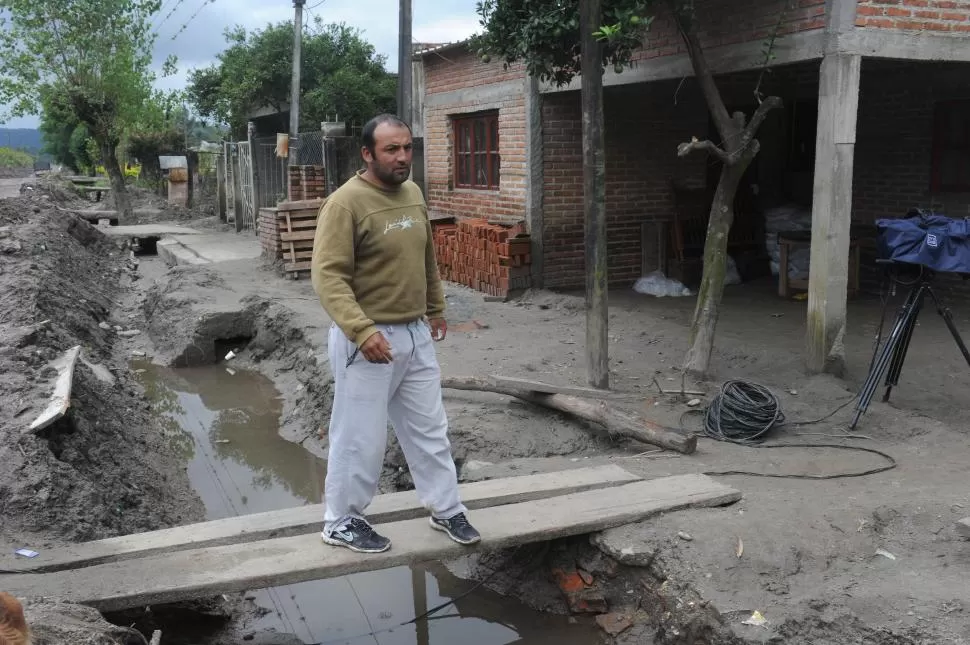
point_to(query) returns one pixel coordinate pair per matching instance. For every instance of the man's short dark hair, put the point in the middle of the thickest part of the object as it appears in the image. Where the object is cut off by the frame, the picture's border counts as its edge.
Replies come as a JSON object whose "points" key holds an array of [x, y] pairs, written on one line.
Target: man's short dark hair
{"points": [[367, 135]]}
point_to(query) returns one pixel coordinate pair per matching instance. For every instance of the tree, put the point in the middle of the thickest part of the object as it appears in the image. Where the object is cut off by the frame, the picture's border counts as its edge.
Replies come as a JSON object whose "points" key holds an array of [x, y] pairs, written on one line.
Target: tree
{"points": [[544, 34], [90, 58], [342, 76]]}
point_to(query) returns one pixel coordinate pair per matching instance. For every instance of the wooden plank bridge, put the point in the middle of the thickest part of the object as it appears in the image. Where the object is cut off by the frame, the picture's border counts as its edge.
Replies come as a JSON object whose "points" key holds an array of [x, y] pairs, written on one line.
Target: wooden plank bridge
{"points": [[284, 547]]}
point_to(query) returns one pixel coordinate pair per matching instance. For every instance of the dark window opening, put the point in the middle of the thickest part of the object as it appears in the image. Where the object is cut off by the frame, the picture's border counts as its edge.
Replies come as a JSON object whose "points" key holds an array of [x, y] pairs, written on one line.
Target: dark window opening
{"points": [[477, 158]]}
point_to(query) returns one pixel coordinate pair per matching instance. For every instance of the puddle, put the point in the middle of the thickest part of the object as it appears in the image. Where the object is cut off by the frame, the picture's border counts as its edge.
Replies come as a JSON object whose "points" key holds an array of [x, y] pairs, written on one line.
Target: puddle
{"points": [[225, 426]]}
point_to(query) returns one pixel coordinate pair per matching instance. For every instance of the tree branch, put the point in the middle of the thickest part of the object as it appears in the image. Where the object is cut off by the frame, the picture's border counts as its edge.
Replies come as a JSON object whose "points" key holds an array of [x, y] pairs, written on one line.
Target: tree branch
{"points": [[685, 149], [750, 130], [702, 71]]}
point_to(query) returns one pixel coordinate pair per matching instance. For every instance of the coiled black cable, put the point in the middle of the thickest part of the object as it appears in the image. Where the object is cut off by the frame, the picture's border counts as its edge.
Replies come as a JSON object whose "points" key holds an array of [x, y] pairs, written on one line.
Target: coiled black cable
{"points": [[742, 412]]}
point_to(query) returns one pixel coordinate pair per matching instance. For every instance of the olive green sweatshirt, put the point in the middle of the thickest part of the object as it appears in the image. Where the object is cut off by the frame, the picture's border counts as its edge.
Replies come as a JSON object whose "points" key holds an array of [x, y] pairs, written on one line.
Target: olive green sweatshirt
{"points": [[373, 258]]}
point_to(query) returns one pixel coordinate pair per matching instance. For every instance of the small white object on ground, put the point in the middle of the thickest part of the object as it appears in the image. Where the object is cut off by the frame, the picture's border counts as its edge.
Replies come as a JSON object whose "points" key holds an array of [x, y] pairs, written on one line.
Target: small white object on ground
{"points": [[757, 620]]}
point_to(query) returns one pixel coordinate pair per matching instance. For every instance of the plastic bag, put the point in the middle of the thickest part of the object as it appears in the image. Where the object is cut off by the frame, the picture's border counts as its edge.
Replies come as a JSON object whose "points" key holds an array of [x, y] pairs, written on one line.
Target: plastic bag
{"points": [[657, 284], [731, 275]]}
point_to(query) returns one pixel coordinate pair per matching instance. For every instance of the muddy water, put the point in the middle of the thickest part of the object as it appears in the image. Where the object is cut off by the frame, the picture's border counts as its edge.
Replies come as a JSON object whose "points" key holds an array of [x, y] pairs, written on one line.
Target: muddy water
{"points": [[225, 425]]}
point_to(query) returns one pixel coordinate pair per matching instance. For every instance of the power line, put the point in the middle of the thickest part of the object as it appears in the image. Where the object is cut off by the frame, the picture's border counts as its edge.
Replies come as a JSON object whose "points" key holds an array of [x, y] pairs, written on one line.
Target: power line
{"points": [[202, 6]]}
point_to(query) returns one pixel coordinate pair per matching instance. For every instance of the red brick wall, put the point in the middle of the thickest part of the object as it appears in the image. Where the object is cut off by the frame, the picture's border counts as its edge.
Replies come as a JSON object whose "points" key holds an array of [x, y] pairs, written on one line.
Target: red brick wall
{"points": [[643, 128], [462, 70], [940, 16], [727, 22]]}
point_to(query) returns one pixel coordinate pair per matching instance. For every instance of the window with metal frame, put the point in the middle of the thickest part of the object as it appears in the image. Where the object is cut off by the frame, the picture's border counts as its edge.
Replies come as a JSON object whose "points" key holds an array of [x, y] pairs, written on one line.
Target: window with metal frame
{"points": [[476, 147], [951, 147]]}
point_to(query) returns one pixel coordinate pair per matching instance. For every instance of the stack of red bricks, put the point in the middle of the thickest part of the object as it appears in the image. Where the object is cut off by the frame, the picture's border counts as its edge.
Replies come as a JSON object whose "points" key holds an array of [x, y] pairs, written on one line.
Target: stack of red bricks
{"points": [[490, 258], [306, 183]]}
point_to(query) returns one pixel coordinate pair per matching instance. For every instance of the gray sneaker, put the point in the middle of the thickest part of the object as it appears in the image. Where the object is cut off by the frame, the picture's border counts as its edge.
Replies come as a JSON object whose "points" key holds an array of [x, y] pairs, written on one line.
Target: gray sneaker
{"points": [[458, 529], [357, 535]]}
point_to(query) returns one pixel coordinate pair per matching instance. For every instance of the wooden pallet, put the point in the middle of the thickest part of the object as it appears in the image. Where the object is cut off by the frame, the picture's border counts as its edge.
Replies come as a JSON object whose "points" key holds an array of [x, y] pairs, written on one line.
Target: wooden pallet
{"points": [[298, 226]]}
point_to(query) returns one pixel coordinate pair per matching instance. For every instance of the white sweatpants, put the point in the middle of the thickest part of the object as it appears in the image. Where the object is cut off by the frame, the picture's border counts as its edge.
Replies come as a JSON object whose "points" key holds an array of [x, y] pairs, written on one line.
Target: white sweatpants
{"points": [[408, 392]]}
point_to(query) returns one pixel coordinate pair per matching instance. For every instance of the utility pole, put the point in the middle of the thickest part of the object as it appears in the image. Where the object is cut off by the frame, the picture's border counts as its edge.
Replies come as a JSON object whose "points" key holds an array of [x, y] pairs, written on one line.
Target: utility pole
{"points": [[295, 84], [594, 191], [404, 69]]}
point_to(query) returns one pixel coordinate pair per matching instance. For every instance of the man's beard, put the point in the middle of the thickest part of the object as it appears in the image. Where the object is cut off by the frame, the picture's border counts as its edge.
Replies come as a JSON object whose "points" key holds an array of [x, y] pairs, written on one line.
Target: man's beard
{"points": [[390, 177]]}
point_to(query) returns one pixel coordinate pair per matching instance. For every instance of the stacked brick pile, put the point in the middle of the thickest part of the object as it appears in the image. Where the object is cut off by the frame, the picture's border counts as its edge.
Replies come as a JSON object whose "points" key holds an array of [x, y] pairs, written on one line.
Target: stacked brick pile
{"points": [[269, 233], [306, 182], [490, 258]]}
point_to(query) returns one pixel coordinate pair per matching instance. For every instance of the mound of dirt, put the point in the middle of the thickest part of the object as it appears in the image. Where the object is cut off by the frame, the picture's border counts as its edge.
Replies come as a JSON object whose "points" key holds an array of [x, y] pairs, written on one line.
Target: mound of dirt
{"points": [[53, 623], [102, 470]]}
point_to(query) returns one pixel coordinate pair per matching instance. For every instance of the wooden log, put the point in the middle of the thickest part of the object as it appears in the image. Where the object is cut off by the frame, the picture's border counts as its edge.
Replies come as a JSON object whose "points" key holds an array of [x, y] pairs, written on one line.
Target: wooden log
{"points": [[550, 388], [616, 423]]}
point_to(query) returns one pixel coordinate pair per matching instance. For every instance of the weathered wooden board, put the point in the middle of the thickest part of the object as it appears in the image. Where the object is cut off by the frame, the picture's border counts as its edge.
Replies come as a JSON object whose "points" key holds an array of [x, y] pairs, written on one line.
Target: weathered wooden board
{"points": [[294, 521], [301, 235], [550, 388], [60, 400], [198, 573], [305, 204]]}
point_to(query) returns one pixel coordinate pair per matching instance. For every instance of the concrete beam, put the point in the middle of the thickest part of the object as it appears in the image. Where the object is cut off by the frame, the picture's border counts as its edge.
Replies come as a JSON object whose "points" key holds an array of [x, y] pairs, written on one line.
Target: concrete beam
{"points": [[796, 48], [493, 92], [901, 45], [838, 105], [534, 159]]}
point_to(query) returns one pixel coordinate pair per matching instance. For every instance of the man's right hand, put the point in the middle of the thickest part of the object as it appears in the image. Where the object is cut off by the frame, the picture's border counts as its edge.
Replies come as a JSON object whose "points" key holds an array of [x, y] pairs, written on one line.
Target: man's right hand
{"points": [[376, 349]]}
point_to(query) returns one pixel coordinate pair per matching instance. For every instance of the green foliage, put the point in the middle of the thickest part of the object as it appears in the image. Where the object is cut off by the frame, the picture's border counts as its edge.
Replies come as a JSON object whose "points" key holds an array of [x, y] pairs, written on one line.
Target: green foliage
{"points": [[545, 34], [10, 158], [342, 75], [92, 56]]}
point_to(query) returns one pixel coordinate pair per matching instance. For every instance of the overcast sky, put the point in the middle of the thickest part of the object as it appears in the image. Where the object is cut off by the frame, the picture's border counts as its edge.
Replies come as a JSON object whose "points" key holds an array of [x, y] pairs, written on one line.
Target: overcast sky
{"points": [[198, 44]]}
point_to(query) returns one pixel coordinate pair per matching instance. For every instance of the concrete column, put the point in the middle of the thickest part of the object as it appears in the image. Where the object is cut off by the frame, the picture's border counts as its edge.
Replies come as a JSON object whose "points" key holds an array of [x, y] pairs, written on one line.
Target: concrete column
{"points": [[838, 105], [534, 178]]}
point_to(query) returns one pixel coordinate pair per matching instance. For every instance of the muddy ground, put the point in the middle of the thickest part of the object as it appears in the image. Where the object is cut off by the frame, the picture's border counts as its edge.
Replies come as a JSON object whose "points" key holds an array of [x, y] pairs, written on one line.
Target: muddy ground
{"points": [[803, 552], [808, 560], [103, 469]]}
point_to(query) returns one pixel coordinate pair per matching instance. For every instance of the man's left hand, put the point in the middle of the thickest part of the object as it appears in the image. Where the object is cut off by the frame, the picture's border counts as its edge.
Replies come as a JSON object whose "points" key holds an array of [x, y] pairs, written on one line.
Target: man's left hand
{"points": [[439, 329]]}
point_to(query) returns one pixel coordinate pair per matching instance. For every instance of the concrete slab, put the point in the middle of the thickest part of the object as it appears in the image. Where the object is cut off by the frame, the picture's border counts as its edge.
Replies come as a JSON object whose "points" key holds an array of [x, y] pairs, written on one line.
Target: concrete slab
{"points": [[198, 248], [147, 230]]}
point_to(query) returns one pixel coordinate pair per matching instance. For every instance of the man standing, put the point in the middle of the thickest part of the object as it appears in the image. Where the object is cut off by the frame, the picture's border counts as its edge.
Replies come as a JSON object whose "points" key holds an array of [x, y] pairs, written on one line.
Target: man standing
{"points": [[375, 273]]}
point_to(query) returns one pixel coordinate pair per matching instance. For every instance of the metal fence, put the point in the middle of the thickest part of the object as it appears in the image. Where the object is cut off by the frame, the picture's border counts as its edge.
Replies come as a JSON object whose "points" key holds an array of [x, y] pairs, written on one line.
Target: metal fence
{"points": [[271, 181], [309, 149]]}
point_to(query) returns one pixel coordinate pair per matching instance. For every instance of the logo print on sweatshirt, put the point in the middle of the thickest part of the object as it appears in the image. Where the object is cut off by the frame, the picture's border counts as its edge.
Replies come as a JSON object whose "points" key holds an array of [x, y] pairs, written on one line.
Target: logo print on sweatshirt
{"points": [[402, 224]]}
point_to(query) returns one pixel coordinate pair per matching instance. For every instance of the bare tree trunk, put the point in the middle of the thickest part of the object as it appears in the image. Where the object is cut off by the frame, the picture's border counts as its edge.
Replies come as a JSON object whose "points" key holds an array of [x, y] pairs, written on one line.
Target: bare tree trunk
{"points": [[704, 323], [736, 152], [118, 189]]}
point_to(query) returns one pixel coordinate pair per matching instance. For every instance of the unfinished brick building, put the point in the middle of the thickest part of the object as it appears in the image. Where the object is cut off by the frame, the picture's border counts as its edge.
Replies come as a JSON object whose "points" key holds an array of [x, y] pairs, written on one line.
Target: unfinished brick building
{"points": [[876, 121]]}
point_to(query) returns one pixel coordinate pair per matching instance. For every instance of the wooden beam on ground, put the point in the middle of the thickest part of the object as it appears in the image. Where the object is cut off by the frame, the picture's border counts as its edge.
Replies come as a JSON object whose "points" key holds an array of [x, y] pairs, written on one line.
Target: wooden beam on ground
{"points": [[200, 573], [550, 388], [302, 519], [616, 422], [60, 400]]}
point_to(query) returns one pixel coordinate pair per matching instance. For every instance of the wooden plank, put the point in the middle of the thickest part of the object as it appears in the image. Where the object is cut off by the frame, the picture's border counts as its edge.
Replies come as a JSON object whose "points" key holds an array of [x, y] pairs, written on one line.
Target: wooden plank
{"points": [[392, 507], [301, 205], [548, 388], [297, 266], [198, 573], [297, 214], [301, 235], [60, 400]]}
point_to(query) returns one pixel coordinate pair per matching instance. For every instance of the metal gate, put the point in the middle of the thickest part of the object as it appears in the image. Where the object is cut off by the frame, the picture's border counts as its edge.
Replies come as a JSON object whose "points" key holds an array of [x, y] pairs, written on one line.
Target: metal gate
{"points": [[229, 159], [247, 186]]}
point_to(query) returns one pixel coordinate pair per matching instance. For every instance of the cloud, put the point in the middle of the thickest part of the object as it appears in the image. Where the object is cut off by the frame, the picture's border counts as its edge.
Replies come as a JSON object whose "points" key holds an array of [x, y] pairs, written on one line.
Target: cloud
{"points": [[194, 31]]}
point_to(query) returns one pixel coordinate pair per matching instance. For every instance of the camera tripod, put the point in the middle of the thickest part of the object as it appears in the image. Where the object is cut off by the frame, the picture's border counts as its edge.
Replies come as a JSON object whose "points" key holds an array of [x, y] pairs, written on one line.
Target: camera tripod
{"points": [[893, 353]]}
